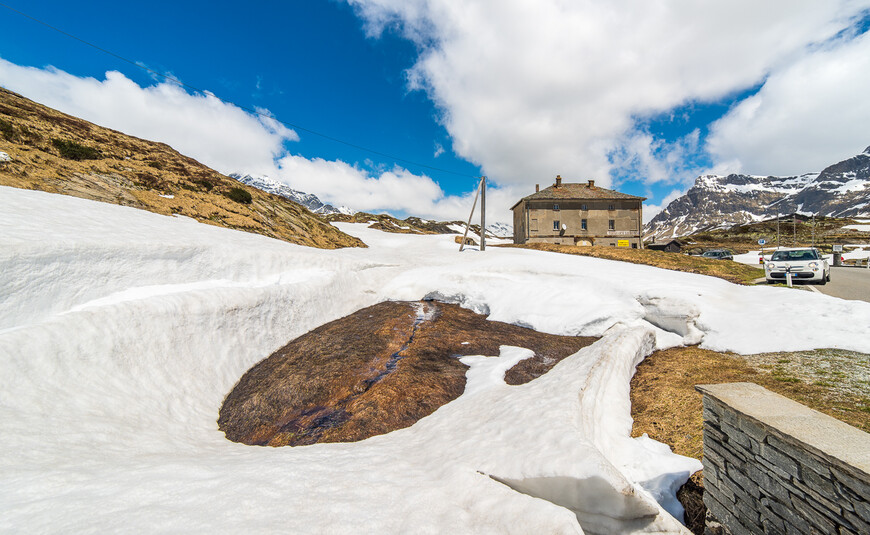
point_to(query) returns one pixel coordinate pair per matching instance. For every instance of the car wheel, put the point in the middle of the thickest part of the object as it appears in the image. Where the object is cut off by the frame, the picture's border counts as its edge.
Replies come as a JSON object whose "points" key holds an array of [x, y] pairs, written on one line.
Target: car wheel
{"points": [[771, 281], [824, 280], [828, 277]]}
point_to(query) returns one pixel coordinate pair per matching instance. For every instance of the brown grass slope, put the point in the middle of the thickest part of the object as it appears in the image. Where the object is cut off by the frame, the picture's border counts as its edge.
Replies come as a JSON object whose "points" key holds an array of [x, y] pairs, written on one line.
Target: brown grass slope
{"points": [[58, 153], [724, 269], [372, 372]]}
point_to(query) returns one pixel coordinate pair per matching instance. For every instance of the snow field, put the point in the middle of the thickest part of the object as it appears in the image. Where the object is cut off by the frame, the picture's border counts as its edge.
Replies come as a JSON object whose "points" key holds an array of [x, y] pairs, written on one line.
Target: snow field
{"points": [[121, 332]]}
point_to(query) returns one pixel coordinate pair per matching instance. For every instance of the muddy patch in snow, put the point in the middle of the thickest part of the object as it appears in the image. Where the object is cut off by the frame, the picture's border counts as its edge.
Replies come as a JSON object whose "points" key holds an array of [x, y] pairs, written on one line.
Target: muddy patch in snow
{"points": [[380, 369]]}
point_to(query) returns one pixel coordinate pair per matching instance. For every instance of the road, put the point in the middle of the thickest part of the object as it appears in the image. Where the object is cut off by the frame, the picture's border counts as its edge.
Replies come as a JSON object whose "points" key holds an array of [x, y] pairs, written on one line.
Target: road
{"points": [[848, 283]]}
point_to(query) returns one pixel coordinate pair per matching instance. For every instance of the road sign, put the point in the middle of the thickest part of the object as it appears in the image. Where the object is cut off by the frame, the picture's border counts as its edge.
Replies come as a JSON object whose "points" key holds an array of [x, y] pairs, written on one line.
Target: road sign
{"points": [[838, 248], [762, 241]]}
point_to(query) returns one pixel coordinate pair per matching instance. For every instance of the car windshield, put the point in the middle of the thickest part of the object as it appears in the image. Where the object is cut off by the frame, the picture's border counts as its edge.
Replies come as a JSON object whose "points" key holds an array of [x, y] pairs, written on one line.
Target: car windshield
{"points": [[792, 256], [712, 254]]}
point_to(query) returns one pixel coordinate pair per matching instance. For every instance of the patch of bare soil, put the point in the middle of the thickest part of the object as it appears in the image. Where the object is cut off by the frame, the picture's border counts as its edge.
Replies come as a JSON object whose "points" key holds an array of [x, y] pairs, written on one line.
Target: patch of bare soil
{"points": [[380, 369], [665, 405]]}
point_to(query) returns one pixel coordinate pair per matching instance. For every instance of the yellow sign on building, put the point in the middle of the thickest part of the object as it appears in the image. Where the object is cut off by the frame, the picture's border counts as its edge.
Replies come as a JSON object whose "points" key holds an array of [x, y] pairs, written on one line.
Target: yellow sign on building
{"points": [[622, 243]]}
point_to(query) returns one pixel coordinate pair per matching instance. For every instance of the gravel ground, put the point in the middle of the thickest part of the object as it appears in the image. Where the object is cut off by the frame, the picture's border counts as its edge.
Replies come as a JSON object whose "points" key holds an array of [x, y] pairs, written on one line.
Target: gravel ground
{"points": [[845, 373]]}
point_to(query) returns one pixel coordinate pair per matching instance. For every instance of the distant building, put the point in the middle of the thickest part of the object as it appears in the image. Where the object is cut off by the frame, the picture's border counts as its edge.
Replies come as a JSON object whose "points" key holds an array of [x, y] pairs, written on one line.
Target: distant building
{"points": [[579, 214], [671, 246]]}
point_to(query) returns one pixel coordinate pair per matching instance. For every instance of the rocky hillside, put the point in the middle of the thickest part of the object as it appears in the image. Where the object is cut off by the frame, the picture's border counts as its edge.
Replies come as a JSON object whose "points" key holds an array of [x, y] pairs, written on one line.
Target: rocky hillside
{"points": [[308, 200], [54, 152], [841, 190]]}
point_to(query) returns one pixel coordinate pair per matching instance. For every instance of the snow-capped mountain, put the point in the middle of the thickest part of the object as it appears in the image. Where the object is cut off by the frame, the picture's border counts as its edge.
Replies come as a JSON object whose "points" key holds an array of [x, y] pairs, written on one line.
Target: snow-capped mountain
{"points": [[501, 230], [841, 190], [308, 200]]}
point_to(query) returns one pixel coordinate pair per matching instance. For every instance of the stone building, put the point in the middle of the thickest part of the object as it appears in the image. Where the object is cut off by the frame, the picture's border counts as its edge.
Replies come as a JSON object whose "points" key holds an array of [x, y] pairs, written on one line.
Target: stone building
{"points": [[579, 214]]}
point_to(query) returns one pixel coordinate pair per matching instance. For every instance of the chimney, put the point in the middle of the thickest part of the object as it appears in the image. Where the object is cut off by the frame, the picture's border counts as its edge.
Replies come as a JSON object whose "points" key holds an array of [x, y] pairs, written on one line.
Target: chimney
{"points": [[537, 188], [591, 183], [558, 181]]}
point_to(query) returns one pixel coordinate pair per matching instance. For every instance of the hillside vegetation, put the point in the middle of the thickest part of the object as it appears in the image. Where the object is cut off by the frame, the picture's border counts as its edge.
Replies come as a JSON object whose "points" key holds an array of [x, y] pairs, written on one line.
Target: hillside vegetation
{"points": [[54, 152]]}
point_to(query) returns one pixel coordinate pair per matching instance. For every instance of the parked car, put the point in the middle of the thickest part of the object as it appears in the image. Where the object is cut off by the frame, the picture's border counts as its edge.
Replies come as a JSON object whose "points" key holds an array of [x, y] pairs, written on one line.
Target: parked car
{"points": [[804, 263], [718, 254]]}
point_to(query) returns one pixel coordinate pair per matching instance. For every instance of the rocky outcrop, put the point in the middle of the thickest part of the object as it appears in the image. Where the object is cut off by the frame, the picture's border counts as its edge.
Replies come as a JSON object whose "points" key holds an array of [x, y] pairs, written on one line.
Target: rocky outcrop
{"points": [[377, 370]]}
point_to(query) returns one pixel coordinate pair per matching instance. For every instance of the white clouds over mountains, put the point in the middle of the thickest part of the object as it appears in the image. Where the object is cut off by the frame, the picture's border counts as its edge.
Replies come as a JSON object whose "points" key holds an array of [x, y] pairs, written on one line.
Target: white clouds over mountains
{"points": [[531, 88], [527, 88], [198, 125], [230, 139]]}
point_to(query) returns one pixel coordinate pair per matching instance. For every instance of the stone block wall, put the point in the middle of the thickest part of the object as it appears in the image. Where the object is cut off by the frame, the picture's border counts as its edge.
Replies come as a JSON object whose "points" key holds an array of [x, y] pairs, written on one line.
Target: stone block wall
{"points": [[772, 465]]}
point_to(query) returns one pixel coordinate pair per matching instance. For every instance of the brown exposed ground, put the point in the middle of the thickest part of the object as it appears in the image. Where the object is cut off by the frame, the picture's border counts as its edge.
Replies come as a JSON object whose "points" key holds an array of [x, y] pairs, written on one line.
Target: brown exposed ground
{"points": [[380, 369], [724, 269], [57, 153], [665, 405]]}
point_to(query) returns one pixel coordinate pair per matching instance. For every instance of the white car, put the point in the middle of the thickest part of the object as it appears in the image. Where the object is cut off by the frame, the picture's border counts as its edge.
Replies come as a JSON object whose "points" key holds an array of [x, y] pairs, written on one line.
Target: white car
{"points": [[804, 263]]}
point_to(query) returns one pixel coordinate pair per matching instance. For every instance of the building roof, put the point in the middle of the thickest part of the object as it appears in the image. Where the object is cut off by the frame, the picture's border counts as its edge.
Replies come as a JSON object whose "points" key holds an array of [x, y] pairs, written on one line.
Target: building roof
{"points": [[574, 191]]}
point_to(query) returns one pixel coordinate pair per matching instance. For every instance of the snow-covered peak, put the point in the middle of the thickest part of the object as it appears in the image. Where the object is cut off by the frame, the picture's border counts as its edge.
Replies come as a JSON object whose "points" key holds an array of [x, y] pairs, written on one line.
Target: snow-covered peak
{"points": [[308, 200], [502, 230], [720, 201]]}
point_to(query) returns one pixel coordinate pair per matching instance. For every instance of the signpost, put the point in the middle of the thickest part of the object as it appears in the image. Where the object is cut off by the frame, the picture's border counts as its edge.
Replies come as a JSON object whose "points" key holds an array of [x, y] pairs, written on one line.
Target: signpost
{"points": [[838, 255], [761, 242]]}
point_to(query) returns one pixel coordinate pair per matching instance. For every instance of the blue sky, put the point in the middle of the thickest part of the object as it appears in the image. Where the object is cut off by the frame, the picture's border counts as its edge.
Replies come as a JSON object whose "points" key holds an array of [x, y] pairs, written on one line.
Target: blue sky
{"points": [[643, 97]]}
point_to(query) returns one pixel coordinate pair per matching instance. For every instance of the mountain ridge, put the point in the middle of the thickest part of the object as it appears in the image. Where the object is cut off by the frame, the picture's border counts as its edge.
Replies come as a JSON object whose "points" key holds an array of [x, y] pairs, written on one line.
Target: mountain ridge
{"points": [[721, 201], [308, 200]]}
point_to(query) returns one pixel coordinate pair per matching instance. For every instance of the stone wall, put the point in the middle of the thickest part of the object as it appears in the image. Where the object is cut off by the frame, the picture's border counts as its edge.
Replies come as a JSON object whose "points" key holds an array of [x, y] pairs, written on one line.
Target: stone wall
{"points": [[772, 465]]}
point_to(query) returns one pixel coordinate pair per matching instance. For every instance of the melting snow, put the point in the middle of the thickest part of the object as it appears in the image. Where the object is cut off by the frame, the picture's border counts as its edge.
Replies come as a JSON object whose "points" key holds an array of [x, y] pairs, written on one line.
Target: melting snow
{"points": [[121, 331]]}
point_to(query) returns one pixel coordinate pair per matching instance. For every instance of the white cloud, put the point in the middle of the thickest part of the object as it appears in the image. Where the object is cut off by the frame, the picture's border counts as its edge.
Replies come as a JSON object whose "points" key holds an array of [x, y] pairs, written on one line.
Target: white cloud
{"points": [[640, 154], [397, 191], [533, 88], [218, 134], [230, 139], [812, 113]]}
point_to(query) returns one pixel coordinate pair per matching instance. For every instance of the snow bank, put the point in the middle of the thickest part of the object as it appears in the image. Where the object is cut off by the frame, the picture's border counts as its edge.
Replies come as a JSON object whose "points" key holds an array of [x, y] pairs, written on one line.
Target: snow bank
{"points": [[121, 331]]}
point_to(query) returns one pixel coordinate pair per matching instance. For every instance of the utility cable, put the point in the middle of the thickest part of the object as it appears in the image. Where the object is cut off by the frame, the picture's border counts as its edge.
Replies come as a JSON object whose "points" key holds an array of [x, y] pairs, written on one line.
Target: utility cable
{"points": [[249, 110]]}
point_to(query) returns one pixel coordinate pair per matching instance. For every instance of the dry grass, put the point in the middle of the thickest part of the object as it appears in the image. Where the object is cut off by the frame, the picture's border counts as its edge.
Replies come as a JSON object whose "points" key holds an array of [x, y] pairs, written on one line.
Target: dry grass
{"points": [[723, 269], [142, 174], [665, 405]]}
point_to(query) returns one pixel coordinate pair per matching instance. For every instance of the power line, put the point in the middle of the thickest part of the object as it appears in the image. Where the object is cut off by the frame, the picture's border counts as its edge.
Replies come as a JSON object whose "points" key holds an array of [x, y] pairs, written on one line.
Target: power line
{"points": [[249, 110]]}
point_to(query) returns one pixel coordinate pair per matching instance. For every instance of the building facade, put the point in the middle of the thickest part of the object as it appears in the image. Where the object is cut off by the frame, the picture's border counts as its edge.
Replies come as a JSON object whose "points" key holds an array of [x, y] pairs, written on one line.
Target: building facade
{"points": [[579, 214]]}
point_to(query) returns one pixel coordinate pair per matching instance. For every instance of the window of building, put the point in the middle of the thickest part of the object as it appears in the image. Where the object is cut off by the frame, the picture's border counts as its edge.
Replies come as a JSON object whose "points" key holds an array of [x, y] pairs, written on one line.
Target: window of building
{"points": [[611, 224], [611, 207], [582, 224], [583, 207], [634, 246], [555, 207], [556, 224]]}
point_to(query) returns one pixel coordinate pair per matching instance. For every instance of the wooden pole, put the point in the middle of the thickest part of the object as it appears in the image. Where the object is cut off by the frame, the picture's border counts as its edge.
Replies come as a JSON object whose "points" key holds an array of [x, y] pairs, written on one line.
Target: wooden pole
{"points": [[483, 213], [467, 225]]}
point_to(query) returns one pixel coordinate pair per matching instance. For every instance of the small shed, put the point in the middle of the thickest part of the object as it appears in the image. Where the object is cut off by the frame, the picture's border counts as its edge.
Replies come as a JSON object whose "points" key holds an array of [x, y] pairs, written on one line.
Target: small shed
{"points": [[671, 246]]}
